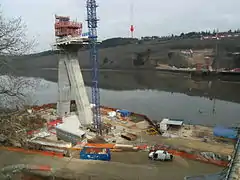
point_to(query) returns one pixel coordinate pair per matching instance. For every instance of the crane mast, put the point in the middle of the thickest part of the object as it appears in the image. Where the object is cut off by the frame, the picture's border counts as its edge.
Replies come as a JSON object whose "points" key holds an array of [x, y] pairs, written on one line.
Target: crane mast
{"points": [[92, 27]]}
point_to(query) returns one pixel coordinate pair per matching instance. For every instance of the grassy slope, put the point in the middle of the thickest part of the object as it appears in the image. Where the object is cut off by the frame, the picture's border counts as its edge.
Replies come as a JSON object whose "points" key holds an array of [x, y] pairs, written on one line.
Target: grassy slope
{"points": [[122, 56]]}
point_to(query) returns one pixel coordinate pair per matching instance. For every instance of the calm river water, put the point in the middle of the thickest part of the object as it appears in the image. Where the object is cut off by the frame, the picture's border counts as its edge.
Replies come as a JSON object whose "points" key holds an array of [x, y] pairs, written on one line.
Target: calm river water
{"points": [[166, 96]]}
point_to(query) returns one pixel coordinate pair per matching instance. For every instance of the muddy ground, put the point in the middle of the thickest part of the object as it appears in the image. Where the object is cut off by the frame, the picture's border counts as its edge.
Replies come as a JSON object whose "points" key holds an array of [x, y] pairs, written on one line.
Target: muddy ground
{"points": [[123, 166], [219, 148]]}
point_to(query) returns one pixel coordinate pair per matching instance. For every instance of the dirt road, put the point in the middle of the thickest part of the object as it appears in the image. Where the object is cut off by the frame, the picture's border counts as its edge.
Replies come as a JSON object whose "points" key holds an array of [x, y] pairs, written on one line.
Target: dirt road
{"points": [[123, 166]]}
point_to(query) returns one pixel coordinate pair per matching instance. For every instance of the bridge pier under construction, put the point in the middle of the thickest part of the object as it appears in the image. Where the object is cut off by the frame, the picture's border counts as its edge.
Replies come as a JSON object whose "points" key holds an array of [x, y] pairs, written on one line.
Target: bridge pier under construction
{"points": [[70, 81], [71, 87]]}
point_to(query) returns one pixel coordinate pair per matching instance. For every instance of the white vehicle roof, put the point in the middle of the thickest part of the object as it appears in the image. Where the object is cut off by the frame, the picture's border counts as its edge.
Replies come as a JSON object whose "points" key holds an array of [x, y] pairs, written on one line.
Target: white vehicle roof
{"points": [[160, 151]]}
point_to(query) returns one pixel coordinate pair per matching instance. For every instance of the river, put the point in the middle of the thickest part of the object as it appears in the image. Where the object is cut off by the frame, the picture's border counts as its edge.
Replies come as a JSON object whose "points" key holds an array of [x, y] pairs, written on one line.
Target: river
{"points": [[160, 96]]}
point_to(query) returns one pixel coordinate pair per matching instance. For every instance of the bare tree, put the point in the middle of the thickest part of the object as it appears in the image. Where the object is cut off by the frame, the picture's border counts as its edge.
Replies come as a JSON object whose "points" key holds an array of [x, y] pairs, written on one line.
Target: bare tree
{"points": [[14, 90], [13, 37], [13, 42]]}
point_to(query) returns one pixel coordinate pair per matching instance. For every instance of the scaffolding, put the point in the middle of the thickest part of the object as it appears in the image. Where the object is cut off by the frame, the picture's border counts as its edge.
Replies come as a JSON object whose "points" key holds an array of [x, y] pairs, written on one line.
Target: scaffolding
{"points": [[64, 27]]}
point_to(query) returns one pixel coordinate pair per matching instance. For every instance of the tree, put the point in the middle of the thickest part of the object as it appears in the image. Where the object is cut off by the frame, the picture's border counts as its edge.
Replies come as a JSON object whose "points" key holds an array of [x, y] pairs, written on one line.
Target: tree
{"points": [[182, 34], [14, 90], [214, 32], [13, 42], [13, 39]]}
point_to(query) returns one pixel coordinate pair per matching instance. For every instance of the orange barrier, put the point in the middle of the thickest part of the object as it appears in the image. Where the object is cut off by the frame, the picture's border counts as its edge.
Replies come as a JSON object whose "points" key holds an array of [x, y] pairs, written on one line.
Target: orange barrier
{"points": [[196, 157], [45, 153], [142, 147], [41, 167]]}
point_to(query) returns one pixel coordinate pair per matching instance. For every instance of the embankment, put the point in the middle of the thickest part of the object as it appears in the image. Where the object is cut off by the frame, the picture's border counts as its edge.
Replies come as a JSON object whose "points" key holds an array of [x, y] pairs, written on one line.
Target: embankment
{"points": [[208, 157]]}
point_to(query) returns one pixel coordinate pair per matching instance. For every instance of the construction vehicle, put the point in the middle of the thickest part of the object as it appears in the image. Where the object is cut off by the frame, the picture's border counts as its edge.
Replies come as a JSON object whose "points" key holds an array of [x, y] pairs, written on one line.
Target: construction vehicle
{"points": [[160, 155], [151, 131]]}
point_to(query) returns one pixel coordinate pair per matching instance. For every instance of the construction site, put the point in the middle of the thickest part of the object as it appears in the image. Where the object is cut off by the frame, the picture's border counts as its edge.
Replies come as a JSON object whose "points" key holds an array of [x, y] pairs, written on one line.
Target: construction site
{"points": [[74, 137], [129, 137]]}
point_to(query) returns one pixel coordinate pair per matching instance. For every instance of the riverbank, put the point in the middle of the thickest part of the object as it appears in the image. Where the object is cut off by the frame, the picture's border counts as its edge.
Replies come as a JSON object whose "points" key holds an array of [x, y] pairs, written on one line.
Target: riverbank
{"points": [[133, 161], [138, 132], [200, 75]]}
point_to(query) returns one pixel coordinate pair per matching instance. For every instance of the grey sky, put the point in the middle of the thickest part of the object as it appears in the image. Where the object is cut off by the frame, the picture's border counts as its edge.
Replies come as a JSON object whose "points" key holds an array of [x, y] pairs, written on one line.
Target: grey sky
{"points": [[150, 17]]}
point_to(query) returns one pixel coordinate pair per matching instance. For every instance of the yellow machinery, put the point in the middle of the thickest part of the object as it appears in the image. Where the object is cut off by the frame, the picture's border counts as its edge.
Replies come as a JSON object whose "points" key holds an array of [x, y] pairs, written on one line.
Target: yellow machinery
{"points": [[151, 131]]}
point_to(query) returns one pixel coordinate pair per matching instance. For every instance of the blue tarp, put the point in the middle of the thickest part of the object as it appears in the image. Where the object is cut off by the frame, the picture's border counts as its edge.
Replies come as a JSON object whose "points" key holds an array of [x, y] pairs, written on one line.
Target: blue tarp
{"points": [[124, 112], [95, 156], [225, 132]]}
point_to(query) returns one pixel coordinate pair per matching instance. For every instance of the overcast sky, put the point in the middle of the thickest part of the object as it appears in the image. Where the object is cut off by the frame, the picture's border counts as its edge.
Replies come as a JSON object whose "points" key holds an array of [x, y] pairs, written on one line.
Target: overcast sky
{"points": [[150, 17]]}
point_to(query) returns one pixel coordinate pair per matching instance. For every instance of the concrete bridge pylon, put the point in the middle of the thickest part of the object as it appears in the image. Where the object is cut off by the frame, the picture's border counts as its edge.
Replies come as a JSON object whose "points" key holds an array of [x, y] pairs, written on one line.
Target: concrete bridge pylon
{"points": [[71, 86]]}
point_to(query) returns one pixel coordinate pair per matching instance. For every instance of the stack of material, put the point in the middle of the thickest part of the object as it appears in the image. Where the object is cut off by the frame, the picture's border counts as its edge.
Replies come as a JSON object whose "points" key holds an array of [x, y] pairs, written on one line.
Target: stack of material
{"points": [[129, 136], [96, 139], [124, 147]]}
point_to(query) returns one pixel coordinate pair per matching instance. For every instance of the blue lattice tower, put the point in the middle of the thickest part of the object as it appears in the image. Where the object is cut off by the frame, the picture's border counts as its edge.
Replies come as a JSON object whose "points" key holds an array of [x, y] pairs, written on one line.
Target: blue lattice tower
{"points": [[92, 27]]}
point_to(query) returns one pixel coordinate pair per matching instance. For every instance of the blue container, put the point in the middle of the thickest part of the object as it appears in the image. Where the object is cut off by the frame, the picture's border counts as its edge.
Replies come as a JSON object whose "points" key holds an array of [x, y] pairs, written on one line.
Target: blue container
{"points": [[124, 113], [92, 153], [225, 132]]}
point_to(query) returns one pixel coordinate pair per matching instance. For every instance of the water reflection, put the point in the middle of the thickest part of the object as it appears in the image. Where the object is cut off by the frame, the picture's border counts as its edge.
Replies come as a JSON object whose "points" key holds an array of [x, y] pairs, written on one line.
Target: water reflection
{"points": [[179, 83], [160, 104], [159, 95]]}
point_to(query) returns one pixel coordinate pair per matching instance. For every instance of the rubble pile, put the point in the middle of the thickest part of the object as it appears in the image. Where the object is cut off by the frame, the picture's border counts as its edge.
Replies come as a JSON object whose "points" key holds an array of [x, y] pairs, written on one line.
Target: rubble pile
{"points": [[15, 127], [96, 139]]}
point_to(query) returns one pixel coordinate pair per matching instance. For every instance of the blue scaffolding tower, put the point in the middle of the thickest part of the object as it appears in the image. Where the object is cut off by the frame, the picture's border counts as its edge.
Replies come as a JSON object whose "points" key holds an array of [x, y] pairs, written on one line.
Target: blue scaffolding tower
{"points": [[92, 27]]}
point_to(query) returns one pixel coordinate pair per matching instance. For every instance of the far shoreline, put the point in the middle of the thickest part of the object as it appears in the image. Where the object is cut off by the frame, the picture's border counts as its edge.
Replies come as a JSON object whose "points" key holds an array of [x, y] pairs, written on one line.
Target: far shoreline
{"points": [[204, 75]]}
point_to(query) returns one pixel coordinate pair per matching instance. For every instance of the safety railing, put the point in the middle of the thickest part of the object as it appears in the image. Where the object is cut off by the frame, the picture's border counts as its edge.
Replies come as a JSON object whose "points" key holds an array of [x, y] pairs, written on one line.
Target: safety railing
{"points": [[234, 161]]}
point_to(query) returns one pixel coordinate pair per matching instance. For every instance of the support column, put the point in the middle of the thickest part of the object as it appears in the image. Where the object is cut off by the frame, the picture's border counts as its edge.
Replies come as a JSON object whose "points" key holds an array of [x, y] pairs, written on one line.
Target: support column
{"points": [[64, 88], [78, 90], [71, 86]]}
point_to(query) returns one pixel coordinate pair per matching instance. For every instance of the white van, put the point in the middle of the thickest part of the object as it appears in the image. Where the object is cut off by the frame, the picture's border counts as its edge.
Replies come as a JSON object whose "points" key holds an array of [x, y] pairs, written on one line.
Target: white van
{"points": [[160, 155]]}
